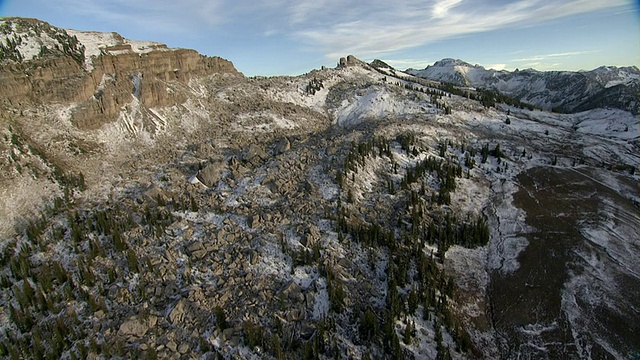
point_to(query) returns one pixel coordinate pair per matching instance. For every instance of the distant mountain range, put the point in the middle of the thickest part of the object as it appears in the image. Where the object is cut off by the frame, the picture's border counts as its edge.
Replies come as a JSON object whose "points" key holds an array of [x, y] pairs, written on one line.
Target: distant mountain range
{"points": [[562, 91]]}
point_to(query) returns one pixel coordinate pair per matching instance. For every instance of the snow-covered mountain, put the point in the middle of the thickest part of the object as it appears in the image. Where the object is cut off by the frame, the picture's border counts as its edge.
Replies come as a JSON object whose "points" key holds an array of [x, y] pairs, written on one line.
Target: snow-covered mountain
{"points": [[156, 203], [564, 91]]}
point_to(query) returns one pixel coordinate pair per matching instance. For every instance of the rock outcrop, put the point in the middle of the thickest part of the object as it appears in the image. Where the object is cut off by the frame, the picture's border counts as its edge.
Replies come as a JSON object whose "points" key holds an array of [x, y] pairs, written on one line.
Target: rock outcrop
{"points": [[115, 77], [349, 61]]}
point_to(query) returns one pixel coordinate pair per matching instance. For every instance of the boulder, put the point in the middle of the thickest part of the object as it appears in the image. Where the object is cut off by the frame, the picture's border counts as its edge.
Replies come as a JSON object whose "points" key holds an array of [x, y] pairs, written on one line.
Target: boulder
{"points": [[253, 221], [197, 250], [179, 312], [293, 292], [255, 155], [211, 174], [136, 327], [281, 146]]}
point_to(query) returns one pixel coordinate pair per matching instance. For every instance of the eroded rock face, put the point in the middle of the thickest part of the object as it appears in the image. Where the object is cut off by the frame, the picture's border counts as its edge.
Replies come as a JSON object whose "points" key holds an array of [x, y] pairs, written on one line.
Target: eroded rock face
{"points": [[117, 78]]}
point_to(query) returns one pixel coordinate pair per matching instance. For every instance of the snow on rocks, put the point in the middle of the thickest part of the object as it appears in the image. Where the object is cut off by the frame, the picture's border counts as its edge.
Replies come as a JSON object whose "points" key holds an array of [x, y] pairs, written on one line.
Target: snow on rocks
{"points": [[99, 43]]}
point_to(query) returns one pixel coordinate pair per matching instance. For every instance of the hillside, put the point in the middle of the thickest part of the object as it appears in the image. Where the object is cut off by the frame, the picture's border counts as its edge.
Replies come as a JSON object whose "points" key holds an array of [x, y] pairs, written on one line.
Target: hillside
{"points": [[158, 203], [563, 91]]}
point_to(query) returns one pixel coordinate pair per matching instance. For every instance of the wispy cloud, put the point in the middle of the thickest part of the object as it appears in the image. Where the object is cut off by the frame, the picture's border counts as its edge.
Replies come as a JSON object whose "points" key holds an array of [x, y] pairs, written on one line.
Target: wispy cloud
{"points": [[441, 8], [408, 63], [152, 15], [374, 28], [545, 57]]}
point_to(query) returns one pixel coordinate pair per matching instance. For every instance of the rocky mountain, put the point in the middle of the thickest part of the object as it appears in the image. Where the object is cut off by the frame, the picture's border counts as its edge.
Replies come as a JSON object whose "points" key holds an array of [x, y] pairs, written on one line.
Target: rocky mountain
{"points": [[563, 91], [95, 72], [157, 203]]}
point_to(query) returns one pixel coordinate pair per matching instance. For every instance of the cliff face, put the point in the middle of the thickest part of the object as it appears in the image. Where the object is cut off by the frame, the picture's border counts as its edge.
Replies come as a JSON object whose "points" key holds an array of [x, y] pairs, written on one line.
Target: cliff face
{"points": [[119, 74], [146, 77]]}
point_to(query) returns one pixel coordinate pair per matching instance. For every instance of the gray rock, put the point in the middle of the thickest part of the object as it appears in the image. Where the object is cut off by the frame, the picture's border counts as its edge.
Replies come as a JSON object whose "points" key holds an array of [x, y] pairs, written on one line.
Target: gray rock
{"points": [[171, 345], [211, 174], [253, 221], [255, 154], [293, 292], [197, 250], [183, 348], [179, 312], [283, 145], [199, 254], [136, 327]]}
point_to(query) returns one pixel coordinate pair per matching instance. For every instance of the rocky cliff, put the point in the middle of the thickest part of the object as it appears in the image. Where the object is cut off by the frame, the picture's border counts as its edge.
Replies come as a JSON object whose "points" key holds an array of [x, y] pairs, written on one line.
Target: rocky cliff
{"points": [[101, 84]]}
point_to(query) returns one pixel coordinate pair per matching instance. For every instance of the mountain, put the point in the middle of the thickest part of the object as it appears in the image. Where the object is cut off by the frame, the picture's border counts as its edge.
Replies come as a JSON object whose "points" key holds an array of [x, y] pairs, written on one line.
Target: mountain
{"points": [[157, 203], [379, 64], [94, 71], [563, 91]]}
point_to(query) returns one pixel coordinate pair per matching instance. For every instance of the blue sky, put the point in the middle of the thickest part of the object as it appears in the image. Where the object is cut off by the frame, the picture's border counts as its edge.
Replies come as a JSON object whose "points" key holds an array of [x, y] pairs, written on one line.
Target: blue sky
{"points": [[289, 37]]}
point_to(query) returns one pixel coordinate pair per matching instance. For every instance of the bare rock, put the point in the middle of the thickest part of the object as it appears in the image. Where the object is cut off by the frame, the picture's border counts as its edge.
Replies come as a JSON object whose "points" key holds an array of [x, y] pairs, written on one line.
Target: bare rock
{"points": [[253, 221], [283, 145], [183, 348], [350, 60], [255, 155], [171, 345], [293, 292], [211, 174], [197, 250], [136, 327], [155, 195], [179, 312]]}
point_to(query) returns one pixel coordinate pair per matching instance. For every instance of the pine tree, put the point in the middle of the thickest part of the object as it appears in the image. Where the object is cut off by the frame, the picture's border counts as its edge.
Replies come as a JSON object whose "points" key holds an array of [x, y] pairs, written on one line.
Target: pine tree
{"points": [[408, 332]]}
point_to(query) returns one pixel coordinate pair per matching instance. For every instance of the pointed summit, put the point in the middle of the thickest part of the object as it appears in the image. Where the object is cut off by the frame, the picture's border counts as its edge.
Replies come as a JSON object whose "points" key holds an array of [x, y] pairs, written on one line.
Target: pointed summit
{"points": [[379, 64]]}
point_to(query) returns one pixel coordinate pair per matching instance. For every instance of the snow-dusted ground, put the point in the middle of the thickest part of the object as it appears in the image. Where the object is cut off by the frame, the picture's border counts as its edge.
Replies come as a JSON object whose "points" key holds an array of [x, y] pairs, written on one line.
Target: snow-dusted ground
{"points": [[376, 103], [532, 139], [97, 43]]}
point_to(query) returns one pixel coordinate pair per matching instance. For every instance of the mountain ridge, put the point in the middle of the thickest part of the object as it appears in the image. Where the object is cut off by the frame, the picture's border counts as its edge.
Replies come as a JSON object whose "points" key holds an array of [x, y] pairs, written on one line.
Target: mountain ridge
{"points": [[564, 91]]}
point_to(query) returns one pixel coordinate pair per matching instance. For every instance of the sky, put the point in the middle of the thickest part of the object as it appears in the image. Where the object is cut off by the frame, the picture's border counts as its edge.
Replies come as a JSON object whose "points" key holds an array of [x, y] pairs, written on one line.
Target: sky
{"points": [[291, 37]]}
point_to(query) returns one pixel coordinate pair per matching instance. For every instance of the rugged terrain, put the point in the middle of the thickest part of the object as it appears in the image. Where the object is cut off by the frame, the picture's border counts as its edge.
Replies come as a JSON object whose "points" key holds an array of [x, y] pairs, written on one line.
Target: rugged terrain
{"points": [[560, 91], [157, 203]]}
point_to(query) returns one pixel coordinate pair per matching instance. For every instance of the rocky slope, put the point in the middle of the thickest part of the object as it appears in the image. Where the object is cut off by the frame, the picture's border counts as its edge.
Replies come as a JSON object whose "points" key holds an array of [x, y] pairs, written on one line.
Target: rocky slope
{"points": [[344, 213], [562, 91]]}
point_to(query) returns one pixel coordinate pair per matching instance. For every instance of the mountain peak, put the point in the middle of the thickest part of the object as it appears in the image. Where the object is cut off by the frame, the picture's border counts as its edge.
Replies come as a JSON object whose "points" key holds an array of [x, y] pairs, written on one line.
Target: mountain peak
{"points": [[349, 61], [452, 62], [25, 39], [566, 91], [377, 63]]}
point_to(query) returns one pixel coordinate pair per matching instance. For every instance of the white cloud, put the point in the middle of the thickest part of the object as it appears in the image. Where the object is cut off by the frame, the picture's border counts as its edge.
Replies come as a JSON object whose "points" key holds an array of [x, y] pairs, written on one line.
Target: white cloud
{"points": [[403, 64], [538, 58], [496, 66], [441, 8], [369, 29]]}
